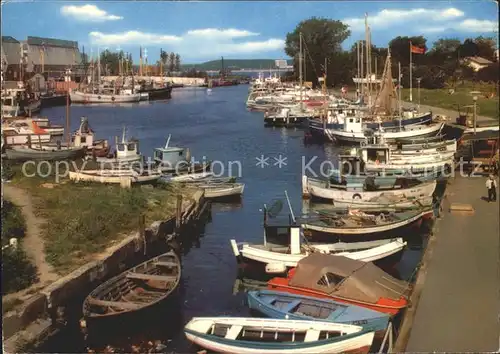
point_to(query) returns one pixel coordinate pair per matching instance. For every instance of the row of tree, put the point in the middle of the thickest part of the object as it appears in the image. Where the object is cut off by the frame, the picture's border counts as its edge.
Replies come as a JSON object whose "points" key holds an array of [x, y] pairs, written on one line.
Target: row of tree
{"points": [[440, 64], [112, 63]]}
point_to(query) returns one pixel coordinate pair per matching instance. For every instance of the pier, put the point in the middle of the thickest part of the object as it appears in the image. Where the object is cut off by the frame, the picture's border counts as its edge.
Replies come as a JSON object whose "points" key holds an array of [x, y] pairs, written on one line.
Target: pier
{"points": [[457, 304]]}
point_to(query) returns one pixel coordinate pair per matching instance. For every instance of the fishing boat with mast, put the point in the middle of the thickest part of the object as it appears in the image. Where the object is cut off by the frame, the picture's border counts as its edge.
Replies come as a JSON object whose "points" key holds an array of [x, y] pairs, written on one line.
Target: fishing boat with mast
{"points": [[98, 94]]}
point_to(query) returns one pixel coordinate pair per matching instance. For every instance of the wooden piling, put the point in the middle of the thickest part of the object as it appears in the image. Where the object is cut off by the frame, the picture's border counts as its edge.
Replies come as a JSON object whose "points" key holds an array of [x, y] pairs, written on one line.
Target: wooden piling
{"points": [[178, 212], [142, 230]]}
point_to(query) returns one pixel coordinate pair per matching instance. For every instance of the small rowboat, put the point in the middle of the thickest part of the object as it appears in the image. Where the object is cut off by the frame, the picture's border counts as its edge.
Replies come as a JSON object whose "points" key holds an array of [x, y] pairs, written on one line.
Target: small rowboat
{"points": [[138, 288], [114, 176], [269, 336], [222, 190], [276, 304]]}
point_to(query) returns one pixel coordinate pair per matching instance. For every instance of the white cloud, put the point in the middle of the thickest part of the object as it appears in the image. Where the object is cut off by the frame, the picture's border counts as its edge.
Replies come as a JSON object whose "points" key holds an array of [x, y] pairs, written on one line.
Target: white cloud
{"points": [[473, 25], [206, 42], [423, 21], [131, 37], [221, 33], [88, 13], [388, 17]]}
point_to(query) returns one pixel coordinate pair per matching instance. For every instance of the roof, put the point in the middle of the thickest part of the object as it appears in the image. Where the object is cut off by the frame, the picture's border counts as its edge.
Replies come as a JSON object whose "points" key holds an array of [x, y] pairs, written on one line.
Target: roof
{"points": [[11, 52], [52, 42], [480, 60], [362, 281], [9, 39], [63, 56]]}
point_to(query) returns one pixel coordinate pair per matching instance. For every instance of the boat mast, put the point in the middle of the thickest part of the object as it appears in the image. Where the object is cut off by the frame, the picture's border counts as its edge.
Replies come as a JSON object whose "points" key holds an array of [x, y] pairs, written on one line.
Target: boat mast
{"points": [[367, 44], [399, 91], [300, 69], [98, 70]]}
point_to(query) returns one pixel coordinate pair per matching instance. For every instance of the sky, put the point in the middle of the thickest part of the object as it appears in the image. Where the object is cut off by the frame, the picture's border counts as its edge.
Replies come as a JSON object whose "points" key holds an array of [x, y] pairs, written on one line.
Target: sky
{"points": [[202, 31]]}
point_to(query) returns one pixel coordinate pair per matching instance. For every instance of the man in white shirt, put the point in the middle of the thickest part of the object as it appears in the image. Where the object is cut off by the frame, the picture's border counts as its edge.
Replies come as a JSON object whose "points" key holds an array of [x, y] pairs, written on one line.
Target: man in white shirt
{"points": [[491, 185]]}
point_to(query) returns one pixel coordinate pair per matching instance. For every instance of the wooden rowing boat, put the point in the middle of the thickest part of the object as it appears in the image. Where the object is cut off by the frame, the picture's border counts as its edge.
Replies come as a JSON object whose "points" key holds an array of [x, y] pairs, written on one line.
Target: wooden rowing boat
{"points": [[272, 336], [140, 287]]}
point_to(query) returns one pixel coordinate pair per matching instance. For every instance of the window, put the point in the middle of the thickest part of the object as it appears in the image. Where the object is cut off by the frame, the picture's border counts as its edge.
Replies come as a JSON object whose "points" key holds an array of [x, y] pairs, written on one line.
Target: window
{"points": [[180, 153], [120, 147], [131, 147], [158, 155], [330, 279], [83, 139]]}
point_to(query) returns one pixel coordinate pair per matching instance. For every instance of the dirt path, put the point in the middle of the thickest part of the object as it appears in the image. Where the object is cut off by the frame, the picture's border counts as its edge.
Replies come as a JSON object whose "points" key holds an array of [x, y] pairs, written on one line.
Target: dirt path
{"points": [[32, 242]]}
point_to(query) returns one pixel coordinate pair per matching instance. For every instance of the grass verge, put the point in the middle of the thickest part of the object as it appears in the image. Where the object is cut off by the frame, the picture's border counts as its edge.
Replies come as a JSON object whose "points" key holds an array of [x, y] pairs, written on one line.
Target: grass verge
{"points": [[462, 96], [82, 219]]}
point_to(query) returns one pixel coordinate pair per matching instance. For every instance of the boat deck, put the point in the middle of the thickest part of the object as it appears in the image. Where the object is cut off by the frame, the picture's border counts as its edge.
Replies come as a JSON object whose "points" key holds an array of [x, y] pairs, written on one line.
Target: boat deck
{"points": [[458, 308]]}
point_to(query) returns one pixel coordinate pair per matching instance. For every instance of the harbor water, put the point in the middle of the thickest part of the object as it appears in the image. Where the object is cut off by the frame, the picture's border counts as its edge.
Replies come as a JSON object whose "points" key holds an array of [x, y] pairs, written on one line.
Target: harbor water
{"points": [[215, 126]]}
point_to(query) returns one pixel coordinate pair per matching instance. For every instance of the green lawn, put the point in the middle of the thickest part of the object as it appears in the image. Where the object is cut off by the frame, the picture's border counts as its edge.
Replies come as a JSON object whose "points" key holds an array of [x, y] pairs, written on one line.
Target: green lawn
{"points": [[442, 98], [84, 218]]}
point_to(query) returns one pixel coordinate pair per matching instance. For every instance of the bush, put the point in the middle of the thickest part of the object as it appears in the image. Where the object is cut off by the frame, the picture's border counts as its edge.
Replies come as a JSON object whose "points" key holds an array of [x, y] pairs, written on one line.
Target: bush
{"points": [[17, 271]]}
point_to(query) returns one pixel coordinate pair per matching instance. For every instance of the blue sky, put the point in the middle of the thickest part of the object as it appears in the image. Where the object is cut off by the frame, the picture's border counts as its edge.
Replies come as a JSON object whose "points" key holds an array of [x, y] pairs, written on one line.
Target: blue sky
{"points": [[201, 31]]}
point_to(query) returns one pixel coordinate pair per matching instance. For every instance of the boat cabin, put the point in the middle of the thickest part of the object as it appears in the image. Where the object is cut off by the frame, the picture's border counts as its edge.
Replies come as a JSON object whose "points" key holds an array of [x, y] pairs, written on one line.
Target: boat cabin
{"points": [[282, 236], [170, 156], [126, 149], [346, 277], [353, 124], [84, 135]]}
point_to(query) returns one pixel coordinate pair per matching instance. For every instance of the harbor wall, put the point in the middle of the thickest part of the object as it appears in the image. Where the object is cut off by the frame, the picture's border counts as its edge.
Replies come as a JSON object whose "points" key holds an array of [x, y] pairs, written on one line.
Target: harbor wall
{"points": [[43, 314]]}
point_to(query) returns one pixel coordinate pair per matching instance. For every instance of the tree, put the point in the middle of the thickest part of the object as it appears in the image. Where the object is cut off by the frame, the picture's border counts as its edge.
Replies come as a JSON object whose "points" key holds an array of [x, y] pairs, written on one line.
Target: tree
{"points": [[322, 38], [468, 48], [177, 62], [110, 61], [163, 57], [400, 49], [171, 62], [485, 47]]}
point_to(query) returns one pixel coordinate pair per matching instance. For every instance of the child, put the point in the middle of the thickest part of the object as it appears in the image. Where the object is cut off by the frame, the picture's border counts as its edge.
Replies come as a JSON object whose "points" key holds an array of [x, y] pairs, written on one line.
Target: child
{"points": [[491, 185]]}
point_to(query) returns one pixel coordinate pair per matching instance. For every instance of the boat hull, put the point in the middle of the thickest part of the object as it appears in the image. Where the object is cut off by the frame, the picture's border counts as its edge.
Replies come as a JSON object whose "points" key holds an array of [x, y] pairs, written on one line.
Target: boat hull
{"points": [[26, 154], [100, 176], [81, 97], [353, 315]]}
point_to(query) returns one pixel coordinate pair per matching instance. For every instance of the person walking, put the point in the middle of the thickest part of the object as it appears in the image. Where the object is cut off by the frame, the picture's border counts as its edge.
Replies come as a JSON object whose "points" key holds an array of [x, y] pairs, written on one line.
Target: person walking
{"points": [[491, 185]]}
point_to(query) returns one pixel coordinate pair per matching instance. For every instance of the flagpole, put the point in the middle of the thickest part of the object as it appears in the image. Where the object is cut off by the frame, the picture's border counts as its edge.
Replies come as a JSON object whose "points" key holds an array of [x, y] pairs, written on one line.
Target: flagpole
{"points": [[411, 74]]}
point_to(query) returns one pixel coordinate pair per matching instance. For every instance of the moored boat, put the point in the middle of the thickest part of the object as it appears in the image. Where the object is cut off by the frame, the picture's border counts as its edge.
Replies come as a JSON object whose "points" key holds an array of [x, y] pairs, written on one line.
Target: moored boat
{"points": [[273, 336], [277, 304], [278, 257], [356, 222], [345, 280], [84, 97], [114, 176], [366, 192], [222, 190], [45, 153], [138, 288]]}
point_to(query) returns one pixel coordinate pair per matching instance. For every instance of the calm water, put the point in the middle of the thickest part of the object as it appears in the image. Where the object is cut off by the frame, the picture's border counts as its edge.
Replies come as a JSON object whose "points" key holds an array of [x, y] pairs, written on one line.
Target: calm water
{"points": [[218, 126]]}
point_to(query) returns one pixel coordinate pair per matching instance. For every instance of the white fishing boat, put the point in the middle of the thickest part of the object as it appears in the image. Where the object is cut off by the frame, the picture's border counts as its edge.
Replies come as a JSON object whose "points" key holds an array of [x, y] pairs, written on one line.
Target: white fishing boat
{"points": [[127, 152], [24, 134], [89, 97], [279, 257], [273, 336], [354, 131], [326, 190]]}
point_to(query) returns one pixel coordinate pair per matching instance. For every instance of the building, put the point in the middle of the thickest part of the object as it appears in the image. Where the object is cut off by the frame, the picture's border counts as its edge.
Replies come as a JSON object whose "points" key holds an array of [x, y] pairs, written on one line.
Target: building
{"points": [[47, 56], [477, 63]]}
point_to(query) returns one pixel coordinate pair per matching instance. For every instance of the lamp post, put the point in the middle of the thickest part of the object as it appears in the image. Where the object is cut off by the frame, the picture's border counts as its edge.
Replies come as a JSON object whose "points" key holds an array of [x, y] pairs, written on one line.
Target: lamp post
{"points": [[418, 83], [474, 117]]}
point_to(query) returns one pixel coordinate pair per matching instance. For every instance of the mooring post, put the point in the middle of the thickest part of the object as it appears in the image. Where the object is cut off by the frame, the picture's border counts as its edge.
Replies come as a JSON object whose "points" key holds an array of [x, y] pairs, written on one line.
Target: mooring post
{"points": [[142, 230], [178, 214]]}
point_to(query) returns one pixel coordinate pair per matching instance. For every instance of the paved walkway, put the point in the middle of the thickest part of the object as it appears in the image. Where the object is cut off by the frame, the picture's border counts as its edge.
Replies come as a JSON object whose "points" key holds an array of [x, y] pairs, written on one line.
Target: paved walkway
{"points": [[459, 305]]}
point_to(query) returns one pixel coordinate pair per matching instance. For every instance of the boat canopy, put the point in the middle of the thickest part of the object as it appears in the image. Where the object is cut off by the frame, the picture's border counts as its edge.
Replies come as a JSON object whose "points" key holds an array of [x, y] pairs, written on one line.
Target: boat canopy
{"points": [[345, 277]]}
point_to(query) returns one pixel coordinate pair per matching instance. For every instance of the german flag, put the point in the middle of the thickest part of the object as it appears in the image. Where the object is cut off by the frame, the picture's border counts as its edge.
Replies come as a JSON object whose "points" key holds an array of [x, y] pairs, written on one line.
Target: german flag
{"points": [[416, 50]]}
